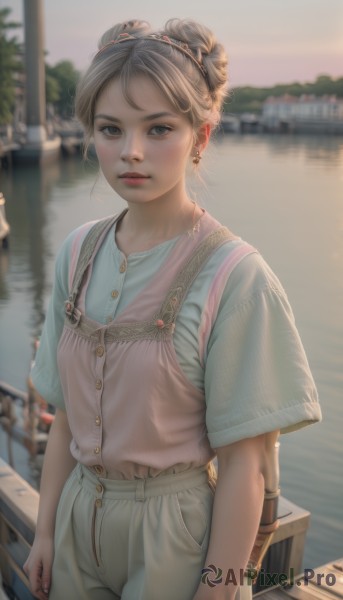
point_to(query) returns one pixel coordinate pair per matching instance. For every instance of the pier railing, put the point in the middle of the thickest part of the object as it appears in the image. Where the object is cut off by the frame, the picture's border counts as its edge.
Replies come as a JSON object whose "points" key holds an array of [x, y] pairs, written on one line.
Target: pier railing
{"points": [[19, 419], [18, 517]]}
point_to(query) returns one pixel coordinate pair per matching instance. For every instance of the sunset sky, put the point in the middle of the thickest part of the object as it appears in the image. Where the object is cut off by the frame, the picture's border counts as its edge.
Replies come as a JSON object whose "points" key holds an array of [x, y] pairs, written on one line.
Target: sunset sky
{"points": [[268, 41]]}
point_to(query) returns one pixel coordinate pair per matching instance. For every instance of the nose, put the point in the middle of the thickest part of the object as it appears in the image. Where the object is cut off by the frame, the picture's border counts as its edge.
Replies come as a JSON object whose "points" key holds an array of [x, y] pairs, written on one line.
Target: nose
{"points": [[132, 149]]}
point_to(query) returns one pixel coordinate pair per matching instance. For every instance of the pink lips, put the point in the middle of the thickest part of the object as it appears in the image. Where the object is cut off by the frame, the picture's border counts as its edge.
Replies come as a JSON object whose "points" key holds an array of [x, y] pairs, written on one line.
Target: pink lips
{"points": [[133, 175], [133, 178]]}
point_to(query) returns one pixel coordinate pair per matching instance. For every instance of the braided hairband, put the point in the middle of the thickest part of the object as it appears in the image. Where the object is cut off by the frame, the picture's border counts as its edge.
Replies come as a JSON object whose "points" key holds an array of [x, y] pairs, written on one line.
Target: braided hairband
{"points": [[165, 39]]}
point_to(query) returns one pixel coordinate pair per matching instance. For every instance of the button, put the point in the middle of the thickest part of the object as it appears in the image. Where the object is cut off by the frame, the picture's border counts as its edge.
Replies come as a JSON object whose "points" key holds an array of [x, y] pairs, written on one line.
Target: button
{"points": [[99, 469], [97, 420], [96, 450], [98, 384], [98, 503], [109, 319], [114, 293], [99, 488], [100, 350], [122, 267]]}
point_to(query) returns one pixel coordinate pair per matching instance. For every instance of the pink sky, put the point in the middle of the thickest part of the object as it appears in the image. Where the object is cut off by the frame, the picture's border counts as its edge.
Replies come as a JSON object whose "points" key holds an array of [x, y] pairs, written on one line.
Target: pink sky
{"points": [[268, 41]]}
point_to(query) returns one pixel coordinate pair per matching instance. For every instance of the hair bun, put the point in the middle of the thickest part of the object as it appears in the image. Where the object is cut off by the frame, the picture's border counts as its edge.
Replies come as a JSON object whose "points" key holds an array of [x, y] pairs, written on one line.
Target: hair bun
{"points": [[206, 49], [134, 27]]}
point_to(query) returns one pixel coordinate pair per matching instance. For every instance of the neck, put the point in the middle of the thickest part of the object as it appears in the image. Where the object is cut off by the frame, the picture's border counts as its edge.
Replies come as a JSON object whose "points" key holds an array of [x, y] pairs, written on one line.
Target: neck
{"points": [[146, 225]]}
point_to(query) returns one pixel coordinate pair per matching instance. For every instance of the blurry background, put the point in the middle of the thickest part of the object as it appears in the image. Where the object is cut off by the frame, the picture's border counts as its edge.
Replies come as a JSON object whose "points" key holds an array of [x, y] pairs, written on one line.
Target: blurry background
{"points": [[269, 41]]}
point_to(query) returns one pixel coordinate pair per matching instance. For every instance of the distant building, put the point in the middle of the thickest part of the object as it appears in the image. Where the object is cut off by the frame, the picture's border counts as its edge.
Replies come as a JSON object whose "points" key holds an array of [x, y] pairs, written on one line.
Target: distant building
{"points": [[305, 113]]}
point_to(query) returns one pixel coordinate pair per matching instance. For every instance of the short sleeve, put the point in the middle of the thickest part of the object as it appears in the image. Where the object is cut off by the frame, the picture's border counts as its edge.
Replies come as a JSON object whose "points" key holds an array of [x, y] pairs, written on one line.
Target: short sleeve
{"points": [[257, 377], [44, 373]]}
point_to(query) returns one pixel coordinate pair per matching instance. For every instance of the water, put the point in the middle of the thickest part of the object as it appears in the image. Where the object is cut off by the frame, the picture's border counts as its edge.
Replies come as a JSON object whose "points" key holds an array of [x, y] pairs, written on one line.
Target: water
{"points": [[282, 194]]}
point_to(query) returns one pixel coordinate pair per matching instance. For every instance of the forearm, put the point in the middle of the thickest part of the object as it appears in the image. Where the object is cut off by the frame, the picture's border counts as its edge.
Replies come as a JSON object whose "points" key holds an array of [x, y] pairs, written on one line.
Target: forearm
{"points": [[58, 464], [236, 515]]}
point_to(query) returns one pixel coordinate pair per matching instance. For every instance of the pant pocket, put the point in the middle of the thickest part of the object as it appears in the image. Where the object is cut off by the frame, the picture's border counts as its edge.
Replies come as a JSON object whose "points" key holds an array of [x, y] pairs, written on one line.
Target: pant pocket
{"points": [[193, 516]]}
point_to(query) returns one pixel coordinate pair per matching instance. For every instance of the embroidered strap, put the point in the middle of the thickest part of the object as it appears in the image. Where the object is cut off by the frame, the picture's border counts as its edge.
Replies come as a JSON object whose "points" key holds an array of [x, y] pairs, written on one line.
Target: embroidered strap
{"points": [[86, 253], [162, 323], [185, 278]]}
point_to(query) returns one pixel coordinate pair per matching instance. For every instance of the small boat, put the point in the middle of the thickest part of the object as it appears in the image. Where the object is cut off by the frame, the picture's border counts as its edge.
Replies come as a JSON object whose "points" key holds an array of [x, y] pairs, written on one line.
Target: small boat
{"points": [[4, 226]]}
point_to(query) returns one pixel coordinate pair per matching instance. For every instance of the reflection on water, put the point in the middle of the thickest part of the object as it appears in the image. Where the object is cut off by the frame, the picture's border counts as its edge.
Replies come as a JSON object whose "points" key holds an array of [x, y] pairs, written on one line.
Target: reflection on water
{"points": [[327, 151], [281, 193]]}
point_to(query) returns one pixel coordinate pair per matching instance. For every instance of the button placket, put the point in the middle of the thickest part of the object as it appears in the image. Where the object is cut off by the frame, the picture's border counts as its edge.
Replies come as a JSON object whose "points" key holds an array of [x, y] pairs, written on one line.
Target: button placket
{"points": [[99, 488], [100, 352], [115, 293], [99, 470], [99, 491], [123, 266]]}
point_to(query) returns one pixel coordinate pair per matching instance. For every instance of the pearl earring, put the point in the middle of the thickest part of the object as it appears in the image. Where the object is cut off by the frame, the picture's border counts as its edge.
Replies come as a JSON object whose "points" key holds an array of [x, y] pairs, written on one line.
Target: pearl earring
{"points": [[196, 158]]}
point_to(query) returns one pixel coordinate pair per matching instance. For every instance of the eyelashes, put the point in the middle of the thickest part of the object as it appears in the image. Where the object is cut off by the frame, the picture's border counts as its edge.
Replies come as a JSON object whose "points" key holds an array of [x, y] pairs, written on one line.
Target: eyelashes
{"points": [[154, 131], [110, 130], [160, 129]]}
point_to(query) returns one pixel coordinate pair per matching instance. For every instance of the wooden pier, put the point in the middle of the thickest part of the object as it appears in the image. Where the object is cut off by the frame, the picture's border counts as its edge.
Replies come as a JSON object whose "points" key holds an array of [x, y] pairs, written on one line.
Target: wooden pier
{"points": [[323, 583], [18, 517]]}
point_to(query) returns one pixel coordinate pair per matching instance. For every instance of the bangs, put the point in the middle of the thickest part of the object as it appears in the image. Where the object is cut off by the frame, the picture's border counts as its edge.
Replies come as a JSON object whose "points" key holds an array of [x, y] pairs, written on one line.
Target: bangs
{"points": [[163, 74]]}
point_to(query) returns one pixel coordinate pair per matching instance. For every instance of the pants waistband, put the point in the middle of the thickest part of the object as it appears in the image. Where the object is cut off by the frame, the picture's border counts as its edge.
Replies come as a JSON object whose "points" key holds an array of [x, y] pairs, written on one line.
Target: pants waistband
{"points": [[139, 489]]}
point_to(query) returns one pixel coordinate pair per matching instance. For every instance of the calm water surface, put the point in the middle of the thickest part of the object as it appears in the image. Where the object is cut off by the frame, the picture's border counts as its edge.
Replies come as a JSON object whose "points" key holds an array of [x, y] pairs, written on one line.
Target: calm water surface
{"points": [[285, 196]]}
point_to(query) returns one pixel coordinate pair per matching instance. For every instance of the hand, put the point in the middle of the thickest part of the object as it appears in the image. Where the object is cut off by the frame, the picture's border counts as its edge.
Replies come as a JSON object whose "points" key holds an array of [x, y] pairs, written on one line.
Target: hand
{"points": [[205, 592], [38, 567]]}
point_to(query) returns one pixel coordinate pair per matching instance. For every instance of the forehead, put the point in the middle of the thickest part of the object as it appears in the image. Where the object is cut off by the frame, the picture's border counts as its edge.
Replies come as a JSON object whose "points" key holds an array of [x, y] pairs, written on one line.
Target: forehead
{"points": [[141, 94]]}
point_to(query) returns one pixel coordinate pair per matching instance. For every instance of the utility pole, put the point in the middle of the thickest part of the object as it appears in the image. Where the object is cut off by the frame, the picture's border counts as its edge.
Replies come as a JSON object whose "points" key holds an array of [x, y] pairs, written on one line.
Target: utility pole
{"points": [[35, 71], [37, 148]]}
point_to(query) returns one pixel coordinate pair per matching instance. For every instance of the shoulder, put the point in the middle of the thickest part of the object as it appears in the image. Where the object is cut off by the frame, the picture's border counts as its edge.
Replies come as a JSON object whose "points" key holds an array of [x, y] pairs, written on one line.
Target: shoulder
{"points": [[69, 251], [244, 277], [253, 274], [237, 267], [74, 239]]}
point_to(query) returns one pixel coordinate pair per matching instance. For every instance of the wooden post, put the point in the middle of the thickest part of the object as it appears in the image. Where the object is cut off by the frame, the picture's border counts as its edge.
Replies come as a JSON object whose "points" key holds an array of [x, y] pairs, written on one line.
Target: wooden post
{"points": [[38, 148], [35, 71]]}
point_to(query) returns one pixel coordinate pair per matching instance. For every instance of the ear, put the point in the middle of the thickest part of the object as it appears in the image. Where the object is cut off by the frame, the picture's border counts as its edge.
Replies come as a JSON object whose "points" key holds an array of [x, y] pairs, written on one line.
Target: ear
{"points": [[203, 137]]}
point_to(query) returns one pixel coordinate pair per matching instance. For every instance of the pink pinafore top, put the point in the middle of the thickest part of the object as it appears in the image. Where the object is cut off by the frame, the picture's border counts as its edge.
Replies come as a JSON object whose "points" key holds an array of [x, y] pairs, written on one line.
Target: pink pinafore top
{"points": [[132, 411]]}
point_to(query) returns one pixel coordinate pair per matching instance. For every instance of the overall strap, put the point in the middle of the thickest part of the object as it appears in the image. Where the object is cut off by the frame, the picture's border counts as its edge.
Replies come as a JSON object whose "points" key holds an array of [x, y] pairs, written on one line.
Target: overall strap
{"points": [[86, 252], [185, 278]]}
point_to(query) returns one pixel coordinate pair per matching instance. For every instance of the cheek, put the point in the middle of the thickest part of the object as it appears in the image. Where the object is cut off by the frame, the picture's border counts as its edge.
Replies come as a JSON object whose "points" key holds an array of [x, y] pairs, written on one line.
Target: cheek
{"points": [[175, 153], [104, 151]]}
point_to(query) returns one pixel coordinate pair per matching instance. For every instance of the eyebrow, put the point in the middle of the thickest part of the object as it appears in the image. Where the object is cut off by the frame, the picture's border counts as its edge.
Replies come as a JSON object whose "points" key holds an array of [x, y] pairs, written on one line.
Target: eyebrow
{"points": [[151, 117]]}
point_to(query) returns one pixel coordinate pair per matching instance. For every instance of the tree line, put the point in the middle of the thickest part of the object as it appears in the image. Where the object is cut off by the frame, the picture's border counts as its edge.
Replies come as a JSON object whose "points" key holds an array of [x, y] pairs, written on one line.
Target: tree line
{"points": [[250, 99], [62, 78]]}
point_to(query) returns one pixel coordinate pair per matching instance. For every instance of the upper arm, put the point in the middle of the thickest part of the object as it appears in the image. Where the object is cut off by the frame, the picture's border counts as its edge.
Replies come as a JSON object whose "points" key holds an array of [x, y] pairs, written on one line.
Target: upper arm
{"points": [[44, 373], [256, 454], [257, 378], [241, 452]]}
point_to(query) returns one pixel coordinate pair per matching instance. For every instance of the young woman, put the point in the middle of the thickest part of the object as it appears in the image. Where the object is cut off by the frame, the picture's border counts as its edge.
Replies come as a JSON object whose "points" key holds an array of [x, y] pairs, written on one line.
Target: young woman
{"points": [[168, 341]]}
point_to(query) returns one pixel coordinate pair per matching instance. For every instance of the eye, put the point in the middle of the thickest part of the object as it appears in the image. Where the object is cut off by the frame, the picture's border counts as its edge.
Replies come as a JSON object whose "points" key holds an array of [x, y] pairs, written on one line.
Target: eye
{"points": [[110, 130], [160, 130]]}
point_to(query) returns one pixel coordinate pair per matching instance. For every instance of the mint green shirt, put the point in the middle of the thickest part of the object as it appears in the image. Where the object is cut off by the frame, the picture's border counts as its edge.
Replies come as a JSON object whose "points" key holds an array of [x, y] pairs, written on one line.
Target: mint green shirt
{"points": [[252, 369]]}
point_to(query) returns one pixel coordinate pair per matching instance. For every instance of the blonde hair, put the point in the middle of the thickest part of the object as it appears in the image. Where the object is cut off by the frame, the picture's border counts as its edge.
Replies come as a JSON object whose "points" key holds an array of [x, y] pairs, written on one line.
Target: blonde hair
{"points": [[197, 95]]}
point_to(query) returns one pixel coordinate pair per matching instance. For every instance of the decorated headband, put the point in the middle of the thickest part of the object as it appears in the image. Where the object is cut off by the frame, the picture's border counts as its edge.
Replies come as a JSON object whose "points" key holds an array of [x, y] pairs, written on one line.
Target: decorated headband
{"points": [[164, 39]]}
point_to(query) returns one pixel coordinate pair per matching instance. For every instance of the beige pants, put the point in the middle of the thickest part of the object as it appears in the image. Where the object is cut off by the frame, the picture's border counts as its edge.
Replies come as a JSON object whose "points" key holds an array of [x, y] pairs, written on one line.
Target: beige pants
{"points": [[134, 540]]}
